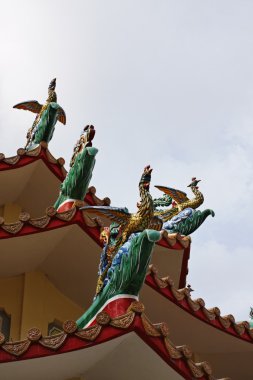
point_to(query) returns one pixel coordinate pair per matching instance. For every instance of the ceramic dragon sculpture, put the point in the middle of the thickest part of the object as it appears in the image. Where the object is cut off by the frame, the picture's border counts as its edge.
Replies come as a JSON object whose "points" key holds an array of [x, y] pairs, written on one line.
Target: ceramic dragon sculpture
{"points": [[128, 245], [129, 241], [182, 217], [75, 185], [125, 276], [128, 223], [46, 117]]}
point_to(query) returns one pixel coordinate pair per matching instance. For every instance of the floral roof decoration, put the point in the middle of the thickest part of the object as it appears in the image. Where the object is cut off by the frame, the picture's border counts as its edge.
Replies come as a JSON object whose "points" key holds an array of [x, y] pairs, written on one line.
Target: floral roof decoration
{"points": [[180, 358], [182, 297]]}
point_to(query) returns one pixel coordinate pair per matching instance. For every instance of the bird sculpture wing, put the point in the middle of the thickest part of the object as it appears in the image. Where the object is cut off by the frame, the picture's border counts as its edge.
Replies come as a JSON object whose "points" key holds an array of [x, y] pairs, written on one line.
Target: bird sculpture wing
{"points": [[156, 223], [178, 195], [115, 214], [165, 214], [61, 115], [30, 105]]}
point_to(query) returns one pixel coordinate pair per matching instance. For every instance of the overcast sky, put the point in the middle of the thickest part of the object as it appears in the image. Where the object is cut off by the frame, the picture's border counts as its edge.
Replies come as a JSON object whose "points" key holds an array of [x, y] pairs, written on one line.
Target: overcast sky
{"points": [[166, 83]]}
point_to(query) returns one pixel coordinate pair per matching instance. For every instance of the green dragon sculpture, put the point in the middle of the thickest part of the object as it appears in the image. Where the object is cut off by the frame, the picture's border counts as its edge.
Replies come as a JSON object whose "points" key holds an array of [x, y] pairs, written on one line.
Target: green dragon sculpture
{"points": [[75, 185], [182, 217], [126, 274], [130, 223], [128, 243], [46, 118]]}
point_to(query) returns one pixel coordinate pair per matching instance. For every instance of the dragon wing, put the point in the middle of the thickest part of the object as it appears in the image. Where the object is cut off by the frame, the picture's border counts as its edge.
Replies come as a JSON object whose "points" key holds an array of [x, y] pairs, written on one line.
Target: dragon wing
{"points": [[156, 223], [61, 115], [178, 195], [30, 105], [115, 214]]}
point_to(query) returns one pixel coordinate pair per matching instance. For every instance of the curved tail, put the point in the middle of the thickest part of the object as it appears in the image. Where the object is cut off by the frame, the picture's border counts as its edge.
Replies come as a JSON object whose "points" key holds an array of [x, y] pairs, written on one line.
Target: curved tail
{"points": [[192, 223]]}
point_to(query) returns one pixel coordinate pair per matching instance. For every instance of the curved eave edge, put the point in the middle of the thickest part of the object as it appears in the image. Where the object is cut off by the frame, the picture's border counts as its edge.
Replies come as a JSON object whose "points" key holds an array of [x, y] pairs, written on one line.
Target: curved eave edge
{"points": [[180, 358], [56, 166], [182, 298], [25, 157], [27, 225], [52, 220]]}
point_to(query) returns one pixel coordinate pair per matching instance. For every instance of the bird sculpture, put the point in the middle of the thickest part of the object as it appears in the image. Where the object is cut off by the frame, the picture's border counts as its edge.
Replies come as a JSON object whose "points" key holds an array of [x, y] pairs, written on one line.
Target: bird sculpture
{"points": [[75, 186], [129, 223], [181, 201], [46, 117]]}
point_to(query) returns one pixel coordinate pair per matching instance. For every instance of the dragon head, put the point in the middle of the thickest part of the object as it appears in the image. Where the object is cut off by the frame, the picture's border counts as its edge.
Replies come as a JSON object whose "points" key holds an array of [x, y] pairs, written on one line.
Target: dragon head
{"points": [[194, 182], [108, 235], [104, 235], [146, 177], [84, 141], [52, 97]]}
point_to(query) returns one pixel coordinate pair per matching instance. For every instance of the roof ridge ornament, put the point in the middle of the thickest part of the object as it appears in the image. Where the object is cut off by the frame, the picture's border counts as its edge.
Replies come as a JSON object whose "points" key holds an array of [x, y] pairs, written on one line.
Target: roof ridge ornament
{"points": [[182, 216], [126, 224], [47, 115], [84, 141], [75, 186]]}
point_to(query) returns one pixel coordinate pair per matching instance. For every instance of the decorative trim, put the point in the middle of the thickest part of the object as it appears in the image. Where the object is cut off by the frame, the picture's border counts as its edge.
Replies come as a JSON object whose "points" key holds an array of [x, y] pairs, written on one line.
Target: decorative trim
{"points": [[149, 328], [53, 342], [103, 319], [163, 328], [16, 348], [172, 239], [154, 335], [172, 350], [34, 334], [25, 157], [92, 222], [165, 286], [12, 228], [24, 216], [97, 201], [69, 327], [89, 333], [136, 306], [41, 223], [123, 322], [11, 160], [117, 297], [66, 215]]}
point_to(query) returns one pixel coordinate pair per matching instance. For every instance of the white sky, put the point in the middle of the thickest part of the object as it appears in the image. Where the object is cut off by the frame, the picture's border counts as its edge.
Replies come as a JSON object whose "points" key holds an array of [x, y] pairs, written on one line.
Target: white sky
{"points": [[166, 83]]}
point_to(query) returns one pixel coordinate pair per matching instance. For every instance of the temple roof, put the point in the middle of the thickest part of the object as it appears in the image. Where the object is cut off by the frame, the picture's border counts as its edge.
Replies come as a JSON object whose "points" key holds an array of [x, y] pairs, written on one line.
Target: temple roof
{"points": [[57, 234], [34, 172], [218, 338], [25, 157], [227, 344], [182, 297], [28, 175], [128, 330]]}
